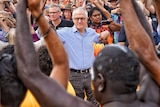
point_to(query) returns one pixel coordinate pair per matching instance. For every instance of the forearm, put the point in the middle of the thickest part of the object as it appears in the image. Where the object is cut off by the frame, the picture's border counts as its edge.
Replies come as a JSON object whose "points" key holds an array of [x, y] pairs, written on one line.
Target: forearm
{"points": [[59, 57], [56, 51], [157, 6], [138, 36], [115, 26], [28, 69], [53, 43], [23, 45], [129, 16], [102, 9]]}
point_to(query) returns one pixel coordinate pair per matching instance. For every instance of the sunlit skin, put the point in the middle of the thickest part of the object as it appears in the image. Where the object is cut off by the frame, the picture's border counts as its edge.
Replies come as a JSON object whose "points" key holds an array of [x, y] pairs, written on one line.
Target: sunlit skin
{"points": [[80, 21]]}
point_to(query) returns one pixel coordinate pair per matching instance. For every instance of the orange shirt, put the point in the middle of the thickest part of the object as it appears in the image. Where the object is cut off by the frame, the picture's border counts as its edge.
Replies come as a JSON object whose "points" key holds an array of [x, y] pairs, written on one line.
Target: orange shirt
{"points": [[102, 28], [30, 100], [97, 48]]}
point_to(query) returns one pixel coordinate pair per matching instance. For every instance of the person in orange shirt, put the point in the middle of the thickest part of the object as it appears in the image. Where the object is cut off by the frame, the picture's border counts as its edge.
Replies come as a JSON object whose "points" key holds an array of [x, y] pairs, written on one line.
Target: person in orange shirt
{"points": [[96, 23]]}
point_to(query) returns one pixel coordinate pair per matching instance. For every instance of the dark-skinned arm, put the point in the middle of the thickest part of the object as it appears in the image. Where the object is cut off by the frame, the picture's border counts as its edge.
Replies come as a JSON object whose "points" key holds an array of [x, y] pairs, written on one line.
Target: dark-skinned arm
{"points": [[157, 6], [42, 87], [139, 39], [60, 72]]}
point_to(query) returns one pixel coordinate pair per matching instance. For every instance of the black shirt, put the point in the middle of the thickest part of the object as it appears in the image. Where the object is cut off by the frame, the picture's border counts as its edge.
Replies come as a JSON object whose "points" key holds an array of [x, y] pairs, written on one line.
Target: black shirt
{"points": [[63, 23]]}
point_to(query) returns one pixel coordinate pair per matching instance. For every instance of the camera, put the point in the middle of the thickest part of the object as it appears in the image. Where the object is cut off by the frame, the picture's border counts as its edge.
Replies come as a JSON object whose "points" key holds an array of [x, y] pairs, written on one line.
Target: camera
{"points": [[105, 22]]}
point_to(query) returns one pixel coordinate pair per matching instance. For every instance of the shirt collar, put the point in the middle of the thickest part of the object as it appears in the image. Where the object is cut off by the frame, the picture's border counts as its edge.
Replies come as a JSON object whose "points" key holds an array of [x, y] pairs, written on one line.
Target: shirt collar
{"points": [[74, 29]]}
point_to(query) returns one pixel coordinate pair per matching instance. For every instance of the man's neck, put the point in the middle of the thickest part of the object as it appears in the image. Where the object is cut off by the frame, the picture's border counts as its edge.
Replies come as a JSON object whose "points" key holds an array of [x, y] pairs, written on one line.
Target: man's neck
{"points": [[81, 31], [56, 22], [125, 98]]}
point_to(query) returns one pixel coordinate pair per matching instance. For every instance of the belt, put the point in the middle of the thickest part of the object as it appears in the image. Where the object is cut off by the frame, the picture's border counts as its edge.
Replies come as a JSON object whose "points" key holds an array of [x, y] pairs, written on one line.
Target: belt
{"points": [[81, 71]]}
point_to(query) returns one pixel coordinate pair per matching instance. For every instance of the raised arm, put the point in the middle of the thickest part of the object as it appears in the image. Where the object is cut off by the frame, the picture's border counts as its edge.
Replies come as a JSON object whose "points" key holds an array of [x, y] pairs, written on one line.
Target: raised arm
{"points": [[138, 35], [157, 6], [43, 88], [60, 72]]}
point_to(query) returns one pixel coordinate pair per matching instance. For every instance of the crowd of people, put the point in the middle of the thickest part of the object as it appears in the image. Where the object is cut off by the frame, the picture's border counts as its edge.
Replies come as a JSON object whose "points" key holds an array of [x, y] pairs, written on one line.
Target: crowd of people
{"points": [[85, 53]]}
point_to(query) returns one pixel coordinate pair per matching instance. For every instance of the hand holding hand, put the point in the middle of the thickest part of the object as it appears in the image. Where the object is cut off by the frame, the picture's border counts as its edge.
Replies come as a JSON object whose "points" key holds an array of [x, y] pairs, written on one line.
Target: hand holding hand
{"points": [[104, 37]]}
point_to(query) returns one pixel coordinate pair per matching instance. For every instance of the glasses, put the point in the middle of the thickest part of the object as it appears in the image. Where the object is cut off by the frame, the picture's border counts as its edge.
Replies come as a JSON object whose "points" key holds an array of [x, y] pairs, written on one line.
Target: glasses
{"points": [[53, 12], [81, 18]]}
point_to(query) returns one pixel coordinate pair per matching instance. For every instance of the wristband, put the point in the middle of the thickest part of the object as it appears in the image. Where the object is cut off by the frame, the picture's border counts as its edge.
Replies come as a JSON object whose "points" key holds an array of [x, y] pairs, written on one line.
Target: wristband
{"points": [[40, 15], [46, 33]]}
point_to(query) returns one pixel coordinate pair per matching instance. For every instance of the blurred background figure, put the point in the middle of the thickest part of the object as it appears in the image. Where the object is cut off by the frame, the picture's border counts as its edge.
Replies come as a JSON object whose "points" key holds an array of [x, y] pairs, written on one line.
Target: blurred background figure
{"points": [[67, 12]]}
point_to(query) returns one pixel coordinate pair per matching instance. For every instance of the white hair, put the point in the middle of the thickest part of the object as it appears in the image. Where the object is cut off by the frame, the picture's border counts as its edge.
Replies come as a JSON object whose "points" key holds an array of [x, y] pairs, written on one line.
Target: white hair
{"points": [[55, 5], [78, 10]]}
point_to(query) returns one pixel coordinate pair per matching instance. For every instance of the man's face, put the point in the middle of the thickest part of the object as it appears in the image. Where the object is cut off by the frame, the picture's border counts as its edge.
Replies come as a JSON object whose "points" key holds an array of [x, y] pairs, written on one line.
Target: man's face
{"points": [[54, 13], [96, 17], [80, 20]]}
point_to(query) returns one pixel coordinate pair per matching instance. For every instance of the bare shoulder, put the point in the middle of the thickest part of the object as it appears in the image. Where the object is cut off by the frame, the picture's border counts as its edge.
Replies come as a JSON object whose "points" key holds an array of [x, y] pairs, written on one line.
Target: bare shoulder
{"points": [[78, 102]]}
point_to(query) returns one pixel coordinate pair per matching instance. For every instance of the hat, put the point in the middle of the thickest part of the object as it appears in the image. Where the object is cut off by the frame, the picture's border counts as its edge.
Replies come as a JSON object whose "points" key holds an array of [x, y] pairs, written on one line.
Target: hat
{"points": [[67, 7]]}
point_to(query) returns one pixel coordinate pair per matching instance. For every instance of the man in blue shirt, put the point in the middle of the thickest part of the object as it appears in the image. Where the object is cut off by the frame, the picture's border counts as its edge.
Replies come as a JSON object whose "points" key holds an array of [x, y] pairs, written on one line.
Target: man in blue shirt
{"points": [[78, 42]]}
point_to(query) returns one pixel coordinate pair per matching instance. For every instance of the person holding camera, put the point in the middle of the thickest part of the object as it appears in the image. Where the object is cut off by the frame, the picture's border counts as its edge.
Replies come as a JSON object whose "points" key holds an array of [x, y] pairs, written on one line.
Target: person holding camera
{"points": [[103, 25]]}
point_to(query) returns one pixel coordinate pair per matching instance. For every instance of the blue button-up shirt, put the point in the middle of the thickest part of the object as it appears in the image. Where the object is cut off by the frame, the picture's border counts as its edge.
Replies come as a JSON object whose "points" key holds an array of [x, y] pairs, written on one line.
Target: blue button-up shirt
{"points": [[79, 47]]}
